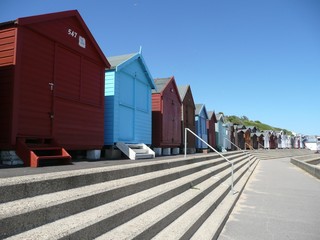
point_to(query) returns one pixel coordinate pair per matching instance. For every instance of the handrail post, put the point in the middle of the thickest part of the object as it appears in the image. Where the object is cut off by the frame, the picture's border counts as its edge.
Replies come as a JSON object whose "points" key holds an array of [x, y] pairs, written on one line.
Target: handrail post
{"points": [[231, 163], [259, 144], [185, 143], [250, 147], [244, 151]]}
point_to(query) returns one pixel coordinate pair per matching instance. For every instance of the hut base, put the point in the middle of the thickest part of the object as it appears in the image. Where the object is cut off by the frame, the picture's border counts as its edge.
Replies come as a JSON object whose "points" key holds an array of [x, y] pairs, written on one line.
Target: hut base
{"points": [[166, 151], [10, 158], [93, 154], [157, 151], [175, 151], [112, 153]]}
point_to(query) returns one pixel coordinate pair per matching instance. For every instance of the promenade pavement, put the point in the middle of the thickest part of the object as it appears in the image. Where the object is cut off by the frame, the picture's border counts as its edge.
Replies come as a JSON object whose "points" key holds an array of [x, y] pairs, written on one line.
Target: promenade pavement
{"points": [[280, 201]]}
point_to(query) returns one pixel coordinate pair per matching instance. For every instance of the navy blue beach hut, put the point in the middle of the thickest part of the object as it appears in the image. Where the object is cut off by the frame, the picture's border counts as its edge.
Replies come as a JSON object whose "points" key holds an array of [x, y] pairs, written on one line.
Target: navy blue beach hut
{"points": [[201, 117], [128, 106]]}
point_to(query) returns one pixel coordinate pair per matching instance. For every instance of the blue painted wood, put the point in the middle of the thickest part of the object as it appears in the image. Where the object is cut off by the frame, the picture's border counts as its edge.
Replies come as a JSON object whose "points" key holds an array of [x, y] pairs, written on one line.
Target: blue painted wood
{"points": [[201, 126], [221, 130], [128, 102]]}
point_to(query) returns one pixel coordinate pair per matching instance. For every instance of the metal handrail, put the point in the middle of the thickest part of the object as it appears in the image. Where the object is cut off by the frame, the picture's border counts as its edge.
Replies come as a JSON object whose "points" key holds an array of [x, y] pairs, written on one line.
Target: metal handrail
{"points": [[185, 152], [251, 148], [246, 152], [259, 144]]}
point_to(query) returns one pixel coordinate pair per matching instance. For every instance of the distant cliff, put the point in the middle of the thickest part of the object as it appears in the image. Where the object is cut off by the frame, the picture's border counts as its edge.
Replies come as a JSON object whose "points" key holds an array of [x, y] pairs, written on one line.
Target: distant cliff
{"points": [[247, 122]]}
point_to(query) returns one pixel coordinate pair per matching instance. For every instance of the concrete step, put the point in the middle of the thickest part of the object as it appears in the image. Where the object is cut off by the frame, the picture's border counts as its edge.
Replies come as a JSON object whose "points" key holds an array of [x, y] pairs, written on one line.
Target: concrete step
{"points": [[186, 225], [85, 204], [150, 223], [15, 188], [24, 214], [213, 225]]}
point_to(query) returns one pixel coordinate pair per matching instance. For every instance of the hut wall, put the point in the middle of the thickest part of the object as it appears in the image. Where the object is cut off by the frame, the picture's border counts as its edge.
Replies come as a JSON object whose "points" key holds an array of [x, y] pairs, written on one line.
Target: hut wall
{"points": [[166, 117], [211, 127], [128, 106], [188, 112], [201, 127], [57, 88]]}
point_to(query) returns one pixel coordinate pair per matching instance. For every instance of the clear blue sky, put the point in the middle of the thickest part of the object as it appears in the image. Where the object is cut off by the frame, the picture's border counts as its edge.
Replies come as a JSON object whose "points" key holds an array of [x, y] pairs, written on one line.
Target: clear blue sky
{"points": [[254, 58]]}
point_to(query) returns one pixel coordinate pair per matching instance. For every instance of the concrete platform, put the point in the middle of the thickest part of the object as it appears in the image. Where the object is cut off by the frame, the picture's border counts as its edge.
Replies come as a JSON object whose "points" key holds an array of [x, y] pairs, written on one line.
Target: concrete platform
{"points": [[280, 201]]}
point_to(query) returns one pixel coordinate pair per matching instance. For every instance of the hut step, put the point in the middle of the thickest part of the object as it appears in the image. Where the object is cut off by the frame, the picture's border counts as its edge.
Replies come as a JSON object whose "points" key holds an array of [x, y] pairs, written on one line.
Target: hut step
{"points": [[136, 151], [38, 152]]}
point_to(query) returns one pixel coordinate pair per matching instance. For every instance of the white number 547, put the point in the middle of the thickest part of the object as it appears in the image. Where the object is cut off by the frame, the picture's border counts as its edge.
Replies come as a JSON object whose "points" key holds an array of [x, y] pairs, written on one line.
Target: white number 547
{"points": [[72, 33]]}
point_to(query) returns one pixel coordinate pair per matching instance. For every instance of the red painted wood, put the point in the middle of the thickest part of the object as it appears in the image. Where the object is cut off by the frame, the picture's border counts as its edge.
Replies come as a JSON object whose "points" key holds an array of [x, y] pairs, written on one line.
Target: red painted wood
{"points": [[166, 116], [46, 53], [188, 111], [211, 127], [7, 46]]}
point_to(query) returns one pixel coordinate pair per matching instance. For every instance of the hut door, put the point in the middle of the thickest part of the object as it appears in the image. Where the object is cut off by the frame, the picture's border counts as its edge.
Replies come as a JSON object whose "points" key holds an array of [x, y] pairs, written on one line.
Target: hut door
{"points": [[171, 122], [35, 106]]}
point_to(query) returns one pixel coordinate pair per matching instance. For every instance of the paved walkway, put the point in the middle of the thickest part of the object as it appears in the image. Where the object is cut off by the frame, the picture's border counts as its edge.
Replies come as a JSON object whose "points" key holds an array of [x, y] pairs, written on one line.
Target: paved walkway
{"points": [[280, 201]]}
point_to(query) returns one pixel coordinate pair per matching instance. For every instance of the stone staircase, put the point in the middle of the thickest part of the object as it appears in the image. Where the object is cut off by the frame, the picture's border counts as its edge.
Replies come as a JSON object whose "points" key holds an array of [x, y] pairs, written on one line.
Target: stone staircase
{"points": [[176, 198]]}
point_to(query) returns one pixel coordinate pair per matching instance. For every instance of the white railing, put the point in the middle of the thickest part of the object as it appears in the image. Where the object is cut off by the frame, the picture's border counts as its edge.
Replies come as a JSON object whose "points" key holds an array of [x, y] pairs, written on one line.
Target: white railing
{"points": [[261, 146], [185, 152], [246, 152], [250, 147]]}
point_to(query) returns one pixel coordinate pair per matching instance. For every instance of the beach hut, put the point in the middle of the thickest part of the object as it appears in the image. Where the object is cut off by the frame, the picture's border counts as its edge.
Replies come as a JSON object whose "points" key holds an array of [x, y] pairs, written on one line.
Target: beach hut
{"points": [[254, 140], [201, 117], [239, 136], [247, 138], [260, 139], [166, 117], [221, 132], [211, 128], [51, 88], [128, 107], [240, 139], [187, 117], [272, 140], [230, 136], [266, 138]]}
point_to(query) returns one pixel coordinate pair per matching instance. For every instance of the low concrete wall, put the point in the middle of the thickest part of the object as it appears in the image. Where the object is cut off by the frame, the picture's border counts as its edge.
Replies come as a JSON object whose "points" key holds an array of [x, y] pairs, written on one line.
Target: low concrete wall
{"points": [[312, 169]]}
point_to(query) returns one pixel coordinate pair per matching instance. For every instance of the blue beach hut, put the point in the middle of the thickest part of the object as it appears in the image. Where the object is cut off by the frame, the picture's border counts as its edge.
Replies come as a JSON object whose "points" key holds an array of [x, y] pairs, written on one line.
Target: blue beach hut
{"points": [[221, 130], [128, 106], [201, 117]]}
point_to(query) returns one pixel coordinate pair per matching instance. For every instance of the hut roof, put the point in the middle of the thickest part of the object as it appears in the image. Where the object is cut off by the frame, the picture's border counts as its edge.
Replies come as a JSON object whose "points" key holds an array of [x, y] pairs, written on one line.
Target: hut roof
{"points": [[119, 62]]}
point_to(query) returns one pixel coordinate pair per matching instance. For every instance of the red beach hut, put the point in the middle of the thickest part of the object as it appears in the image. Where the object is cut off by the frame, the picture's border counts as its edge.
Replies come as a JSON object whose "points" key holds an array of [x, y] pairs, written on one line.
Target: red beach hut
{"points": [[166, 114], [51, 88], [187, 117], [211, 127]]}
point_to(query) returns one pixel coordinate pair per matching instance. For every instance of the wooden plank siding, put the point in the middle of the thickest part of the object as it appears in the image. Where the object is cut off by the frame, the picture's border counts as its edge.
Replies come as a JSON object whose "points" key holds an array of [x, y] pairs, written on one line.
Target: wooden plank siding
{"points": [[7, 46], [211, 128], [166, 114], [128, 94], [6, 105], [187, 115], [201, 118], [57, 82]]}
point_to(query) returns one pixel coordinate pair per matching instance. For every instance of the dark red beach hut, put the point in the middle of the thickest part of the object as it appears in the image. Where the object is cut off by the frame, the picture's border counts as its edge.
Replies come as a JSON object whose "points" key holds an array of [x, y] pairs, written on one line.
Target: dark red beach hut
{"points": [[51, 84], [187, 117], [211, 127], [166, 114]]}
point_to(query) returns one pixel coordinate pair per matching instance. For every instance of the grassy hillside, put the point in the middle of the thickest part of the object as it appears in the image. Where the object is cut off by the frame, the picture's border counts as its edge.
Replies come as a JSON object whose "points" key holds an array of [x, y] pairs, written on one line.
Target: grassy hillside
{"points": [[247, 122]]}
